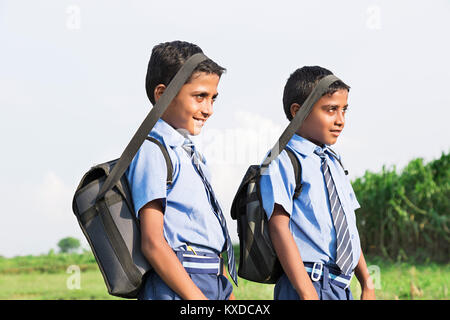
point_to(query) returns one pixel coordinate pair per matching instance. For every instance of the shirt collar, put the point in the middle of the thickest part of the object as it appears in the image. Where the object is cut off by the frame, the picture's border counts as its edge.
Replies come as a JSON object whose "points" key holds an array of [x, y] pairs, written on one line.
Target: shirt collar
{"points": [[302, 145], [306, 147], [169, 134]]}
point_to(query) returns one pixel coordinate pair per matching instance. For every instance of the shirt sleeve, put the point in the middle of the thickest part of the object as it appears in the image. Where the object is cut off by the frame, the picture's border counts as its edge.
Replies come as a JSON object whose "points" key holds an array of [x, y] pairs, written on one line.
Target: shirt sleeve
{"points": [[277, 185], [147, 176]]}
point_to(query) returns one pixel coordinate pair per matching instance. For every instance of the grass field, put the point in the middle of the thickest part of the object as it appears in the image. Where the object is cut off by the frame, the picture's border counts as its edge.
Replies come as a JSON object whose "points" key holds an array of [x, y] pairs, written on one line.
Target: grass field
{"points": [[47, 277]]}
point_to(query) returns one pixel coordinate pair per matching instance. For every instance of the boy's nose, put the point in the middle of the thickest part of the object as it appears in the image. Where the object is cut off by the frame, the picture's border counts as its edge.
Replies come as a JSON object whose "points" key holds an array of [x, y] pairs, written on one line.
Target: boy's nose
{"points": [[207, 109], [340, 118]]}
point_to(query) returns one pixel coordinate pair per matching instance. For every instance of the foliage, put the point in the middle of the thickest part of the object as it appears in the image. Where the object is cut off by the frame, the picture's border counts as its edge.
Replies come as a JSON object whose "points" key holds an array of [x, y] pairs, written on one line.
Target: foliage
{"points": [[68, 244], [404, 216], [47, 263], [399, 280]]}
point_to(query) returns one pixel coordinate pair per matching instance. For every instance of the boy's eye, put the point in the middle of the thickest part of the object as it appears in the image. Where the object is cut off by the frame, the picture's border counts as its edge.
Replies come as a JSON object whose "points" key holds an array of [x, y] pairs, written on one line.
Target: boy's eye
{"points": [[200, 97], [332, 109]]}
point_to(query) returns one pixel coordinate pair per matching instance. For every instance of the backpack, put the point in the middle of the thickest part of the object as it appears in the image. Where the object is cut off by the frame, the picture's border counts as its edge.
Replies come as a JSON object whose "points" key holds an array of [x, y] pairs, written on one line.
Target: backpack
{"points": [[112, 228], [104, 208], [258, 260]]}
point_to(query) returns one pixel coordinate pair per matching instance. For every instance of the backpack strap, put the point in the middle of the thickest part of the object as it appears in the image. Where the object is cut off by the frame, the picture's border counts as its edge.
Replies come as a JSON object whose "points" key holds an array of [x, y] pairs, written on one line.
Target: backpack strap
{"points": [[165, 153], [297, 172]]}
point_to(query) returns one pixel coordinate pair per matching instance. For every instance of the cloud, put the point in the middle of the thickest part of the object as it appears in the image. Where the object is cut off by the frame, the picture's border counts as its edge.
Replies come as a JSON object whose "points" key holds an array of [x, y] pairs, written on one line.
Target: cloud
{"points": [[232, 150], [52, 197], [38, 215], [245, 141]]}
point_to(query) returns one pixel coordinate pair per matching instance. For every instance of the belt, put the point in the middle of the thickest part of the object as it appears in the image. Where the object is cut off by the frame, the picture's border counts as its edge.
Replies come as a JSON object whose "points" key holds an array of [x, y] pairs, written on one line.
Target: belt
{"points": [[200, 262], [316, 271]]}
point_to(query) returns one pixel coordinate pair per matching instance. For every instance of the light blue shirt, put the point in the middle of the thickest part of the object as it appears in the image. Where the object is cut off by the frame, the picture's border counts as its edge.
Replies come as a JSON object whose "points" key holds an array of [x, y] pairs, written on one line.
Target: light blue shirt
{"points": [[188, 216], [311, 222]]}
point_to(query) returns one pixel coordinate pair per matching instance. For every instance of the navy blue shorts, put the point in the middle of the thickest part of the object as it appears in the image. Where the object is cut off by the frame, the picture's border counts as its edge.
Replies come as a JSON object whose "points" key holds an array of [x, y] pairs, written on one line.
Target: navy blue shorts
{"points": [[213, 286], [325, 289]]}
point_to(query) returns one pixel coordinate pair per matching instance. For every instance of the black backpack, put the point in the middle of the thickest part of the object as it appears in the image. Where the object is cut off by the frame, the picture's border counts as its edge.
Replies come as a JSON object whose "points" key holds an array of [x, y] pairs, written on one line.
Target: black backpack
{"points": [[258, 260]]}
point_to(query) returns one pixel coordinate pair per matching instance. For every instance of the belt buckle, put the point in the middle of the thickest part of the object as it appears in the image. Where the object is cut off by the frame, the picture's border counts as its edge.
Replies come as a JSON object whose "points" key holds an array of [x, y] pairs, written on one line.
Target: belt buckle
{"points": [[314, 276]]}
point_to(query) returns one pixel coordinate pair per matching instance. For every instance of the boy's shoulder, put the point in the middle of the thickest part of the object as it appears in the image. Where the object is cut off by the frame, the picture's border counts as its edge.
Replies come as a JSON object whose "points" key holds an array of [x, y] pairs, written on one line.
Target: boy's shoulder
{"points": [[166, 134], [156, 154], [299, 156], [281, 161], [302, 146], [152, 157]]}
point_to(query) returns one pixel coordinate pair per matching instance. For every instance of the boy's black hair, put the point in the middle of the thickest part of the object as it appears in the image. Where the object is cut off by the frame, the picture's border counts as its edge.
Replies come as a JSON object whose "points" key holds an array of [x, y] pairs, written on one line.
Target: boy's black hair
{"points": [[167, 58], [300, 84]]}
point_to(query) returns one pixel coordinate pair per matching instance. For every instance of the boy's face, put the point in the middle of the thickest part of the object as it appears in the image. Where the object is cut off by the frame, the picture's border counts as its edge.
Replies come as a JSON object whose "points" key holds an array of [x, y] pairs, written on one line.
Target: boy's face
{"points": [[327, 118], [193, 104]]}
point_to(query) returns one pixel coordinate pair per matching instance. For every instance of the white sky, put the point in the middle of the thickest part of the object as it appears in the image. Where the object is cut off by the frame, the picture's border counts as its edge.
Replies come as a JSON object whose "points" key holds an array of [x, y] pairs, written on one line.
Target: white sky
{"points": [[72, 90]]}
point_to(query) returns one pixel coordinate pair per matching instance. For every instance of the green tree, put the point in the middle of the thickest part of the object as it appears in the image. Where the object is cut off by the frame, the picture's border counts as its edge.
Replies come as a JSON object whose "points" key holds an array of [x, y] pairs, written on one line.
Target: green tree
{"points": [[406, 214], [68, 244]]}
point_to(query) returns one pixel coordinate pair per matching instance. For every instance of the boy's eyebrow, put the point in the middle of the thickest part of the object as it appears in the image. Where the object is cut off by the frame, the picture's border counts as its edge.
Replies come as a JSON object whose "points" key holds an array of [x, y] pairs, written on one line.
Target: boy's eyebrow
{"points": [[204, 93], [333, 105]]}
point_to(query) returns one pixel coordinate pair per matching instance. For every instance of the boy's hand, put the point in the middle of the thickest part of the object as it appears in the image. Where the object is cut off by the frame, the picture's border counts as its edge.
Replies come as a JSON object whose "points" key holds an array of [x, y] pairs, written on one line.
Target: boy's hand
{"points": [[368, 294], [289, 255], [367, 290], [160, 255], [362, 273]]}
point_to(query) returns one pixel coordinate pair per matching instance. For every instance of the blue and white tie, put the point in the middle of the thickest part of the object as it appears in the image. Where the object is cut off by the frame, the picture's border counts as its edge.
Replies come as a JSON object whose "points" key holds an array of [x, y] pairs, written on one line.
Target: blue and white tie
{"points": [[344, 253], [195, 158]]}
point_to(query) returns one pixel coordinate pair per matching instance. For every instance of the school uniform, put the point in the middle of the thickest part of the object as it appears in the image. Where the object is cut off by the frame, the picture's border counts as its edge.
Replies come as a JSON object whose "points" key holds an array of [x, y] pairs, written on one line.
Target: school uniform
{"points": [[191, 227], [311, 222]]}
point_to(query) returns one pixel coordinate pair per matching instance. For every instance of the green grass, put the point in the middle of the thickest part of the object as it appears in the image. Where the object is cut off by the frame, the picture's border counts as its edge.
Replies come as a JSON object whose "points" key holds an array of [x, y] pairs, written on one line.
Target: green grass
{"points": [[405, 281], [52, 286], [45, 277]]}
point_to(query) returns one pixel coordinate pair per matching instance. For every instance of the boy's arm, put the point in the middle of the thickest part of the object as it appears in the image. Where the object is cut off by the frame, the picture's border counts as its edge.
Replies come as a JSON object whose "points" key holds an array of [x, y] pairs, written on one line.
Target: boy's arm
{"points": [[161, 256], [362, 273], [289, 255], [224, 272]]}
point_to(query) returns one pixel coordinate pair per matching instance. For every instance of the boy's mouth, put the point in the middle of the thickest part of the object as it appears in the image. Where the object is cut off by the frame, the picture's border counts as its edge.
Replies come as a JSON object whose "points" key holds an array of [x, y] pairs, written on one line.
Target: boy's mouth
{"points": [[336, 133], [199, 121]]}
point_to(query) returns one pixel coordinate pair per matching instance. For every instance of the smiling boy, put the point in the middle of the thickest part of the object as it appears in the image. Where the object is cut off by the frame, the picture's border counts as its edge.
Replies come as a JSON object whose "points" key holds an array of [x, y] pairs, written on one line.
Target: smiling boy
{"points": [[314, 235], [182, 227]]}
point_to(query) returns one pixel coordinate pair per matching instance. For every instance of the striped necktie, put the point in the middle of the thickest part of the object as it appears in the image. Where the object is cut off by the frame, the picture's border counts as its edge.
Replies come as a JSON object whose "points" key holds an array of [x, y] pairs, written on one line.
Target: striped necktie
{"points": [[189, 147], [344, 255]]}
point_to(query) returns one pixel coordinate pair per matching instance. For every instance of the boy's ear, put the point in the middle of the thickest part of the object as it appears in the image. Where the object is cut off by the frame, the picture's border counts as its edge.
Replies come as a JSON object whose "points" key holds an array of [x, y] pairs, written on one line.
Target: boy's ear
{"points": [[294, 109], [159, 90]]}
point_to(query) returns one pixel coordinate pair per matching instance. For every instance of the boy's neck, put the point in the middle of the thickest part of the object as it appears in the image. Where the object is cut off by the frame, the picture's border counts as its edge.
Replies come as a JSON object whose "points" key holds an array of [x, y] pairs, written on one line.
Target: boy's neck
{"points": [[317, 143]]}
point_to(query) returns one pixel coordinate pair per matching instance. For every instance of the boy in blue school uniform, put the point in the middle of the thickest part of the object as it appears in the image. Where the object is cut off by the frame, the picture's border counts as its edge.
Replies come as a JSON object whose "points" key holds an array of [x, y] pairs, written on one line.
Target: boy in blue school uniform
{"points": [[315, 234], [182, 227]]}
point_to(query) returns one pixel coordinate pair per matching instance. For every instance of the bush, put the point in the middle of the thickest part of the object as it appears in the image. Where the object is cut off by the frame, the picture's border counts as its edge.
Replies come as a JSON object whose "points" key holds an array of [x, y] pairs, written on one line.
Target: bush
{"points": [[69, 244], [404, 216], [47, 263]]}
